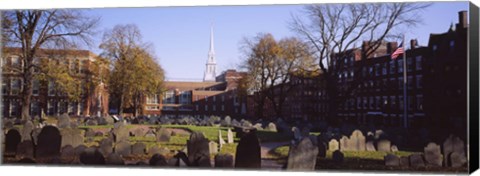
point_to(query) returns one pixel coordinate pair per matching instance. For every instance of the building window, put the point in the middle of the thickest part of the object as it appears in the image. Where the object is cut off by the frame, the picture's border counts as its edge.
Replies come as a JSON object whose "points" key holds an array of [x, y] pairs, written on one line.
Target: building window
{"points": [[392, 67], [206, 107], [384, 69], [169, 97], [434, 47], [371, 103], [452, 43], [206, 98], [153, 108], [63, 107], [378, 102], [185, 97], [409, 64], [16, 86], [51, 88], [419, 81], [36, 64], [16, 62], [410, 103], [418, 63], [214, 98], [14, 108], [153, 99], [72, 108], [5, 87], [214, 108], [50, 107], [419, 103], [35, 87], [223, 107], [400, 102], [392, 102], [377, 69], [410, 82], [223, 98], [400, 65]]}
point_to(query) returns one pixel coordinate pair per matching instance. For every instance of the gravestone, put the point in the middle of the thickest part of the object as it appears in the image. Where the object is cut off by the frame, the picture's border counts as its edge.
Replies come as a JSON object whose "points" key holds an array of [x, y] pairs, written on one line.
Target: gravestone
{"points": [[213, 147], [416, 160], [433, 156], [322, 149], [49, 142], [344, 144], [370, 146], [67, 154], [224, 160], [138, 148], [456, 159], [333, 145], [12, 139], [153, 150], [221, 142], [120, 133], [139, 132], [150, 134], [158, 160], [384, 145], [91, 156], [35, 134], [91, 122], [89, 133], [394, 148], [271, 127], [302, 156], [248, 152], [63, 121], [114, 159], [163, 135], [98, 134], [227, 121], [198, 150], [337, 156], [391, 160], [27, 131], [25, 149], [357, 141], [404, 162], [229, 136], [71, 136], [453, 144], [258, 126], [123, 148], [79, 149], [296, 133], [106, 146]]}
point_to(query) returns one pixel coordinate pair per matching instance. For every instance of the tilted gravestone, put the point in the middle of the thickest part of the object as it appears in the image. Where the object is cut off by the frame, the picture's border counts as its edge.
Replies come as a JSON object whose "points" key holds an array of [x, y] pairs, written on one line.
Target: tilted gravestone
{"points": [[344, 144], [114, 159], [163, 135], [248, 152], [71, 136], [91, 156], [333, 145], [338, 156], [229, 136], [25, 149], [213, 147], [123, 148], [106, 146], [370, 146], [27, 131], [49, 142], [454, 144], [12, 139], [302, 156], [198, 150], [63, 121], [224, 160], [138, 148], [391, 160], [416, 160], [357, 140], [384, 145], [433, 156]]}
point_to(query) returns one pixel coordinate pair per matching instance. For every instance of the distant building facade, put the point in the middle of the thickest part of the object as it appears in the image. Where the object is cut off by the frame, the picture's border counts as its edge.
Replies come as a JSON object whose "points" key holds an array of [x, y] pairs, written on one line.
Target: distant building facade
{"points": [[45, 97]]}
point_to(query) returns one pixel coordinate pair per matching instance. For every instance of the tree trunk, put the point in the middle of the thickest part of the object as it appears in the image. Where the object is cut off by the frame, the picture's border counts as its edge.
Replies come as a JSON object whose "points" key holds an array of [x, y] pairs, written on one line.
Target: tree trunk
{"points": [[120, 106], [27, 86]]}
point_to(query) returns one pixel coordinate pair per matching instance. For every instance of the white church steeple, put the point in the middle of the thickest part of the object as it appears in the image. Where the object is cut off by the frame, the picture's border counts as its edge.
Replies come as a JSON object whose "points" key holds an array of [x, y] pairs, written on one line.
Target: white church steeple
{"points": [[210, 70]]}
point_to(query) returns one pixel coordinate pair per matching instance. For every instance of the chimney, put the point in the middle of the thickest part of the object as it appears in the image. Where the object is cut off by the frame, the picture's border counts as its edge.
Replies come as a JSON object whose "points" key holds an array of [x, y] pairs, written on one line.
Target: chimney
{"points": [[413, 43], [389, 47], [462, 19]]}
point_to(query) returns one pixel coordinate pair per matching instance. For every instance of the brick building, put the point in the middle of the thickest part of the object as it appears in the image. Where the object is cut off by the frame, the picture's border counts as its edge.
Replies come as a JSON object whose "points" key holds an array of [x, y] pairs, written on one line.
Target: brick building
{"points": [[45, 97]]}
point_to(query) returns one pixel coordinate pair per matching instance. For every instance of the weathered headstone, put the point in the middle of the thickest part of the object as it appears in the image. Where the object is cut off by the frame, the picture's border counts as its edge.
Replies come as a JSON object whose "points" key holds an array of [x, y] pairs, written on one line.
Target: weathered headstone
{"points": [[25, 149], [150, 134], [12, 139], [344, 144], [302, 156], [158, 160], [67, 154], [333, 145], [296, 133], [258, 126], [416, 160], [394, 148], [198, 150], [91, 122], [63, 121], [123, 148], [71, 136], [337, 156], [248, 152], [456, 159], [27, 131], [391, 160], [138, 148], [221, 142], [370, 146], [384, 145], [89, 133], [139, 132], [163, 135], [357, 139], [120, 133], [271, 127], [404, 162], [229, 136], [433, 156], [49, 142], [224, 160], [453, 144], [79, 149], [106, 146], [91, 156], [114, 159]]}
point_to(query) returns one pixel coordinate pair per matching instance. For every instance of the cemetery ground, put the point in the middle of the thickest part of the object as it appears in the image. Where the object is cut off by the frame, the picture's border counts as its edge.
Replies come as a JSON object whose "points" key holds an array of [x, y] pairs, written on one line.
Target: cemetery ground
{"points": [[274, 146]]}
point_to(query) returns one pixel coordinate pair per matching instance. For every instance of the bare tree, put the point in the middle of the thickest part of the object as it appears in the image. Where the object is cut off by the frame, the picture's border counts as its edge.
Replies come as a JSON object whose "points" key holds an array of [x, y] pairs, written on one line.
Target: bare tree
{"points": [[334, 29], [33, 30]]}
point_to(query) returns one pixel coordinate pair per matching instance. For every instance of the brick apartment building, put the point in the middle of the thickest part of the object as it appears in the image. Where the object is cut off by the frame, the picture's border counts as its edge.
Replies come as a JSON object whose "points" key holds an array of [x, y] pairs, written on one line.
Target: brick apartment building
{"points": [[371, 87], [45, 96]]}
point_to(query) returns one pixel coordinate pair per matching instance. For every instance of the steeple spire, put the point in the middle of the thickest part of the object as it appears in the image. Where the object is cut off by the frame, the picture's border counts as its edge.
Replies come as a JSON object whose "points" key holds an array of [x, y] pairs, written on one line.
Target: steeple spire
{"points": [[212, 50], [210, 72]]}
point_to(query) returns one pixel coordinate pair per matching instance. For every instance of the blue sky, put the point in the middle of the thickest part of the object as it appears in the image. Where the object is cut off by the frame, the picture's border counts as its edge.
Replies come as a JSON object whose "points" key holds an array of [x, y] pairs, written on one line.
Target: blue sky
{"points": [[180, 35]]}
